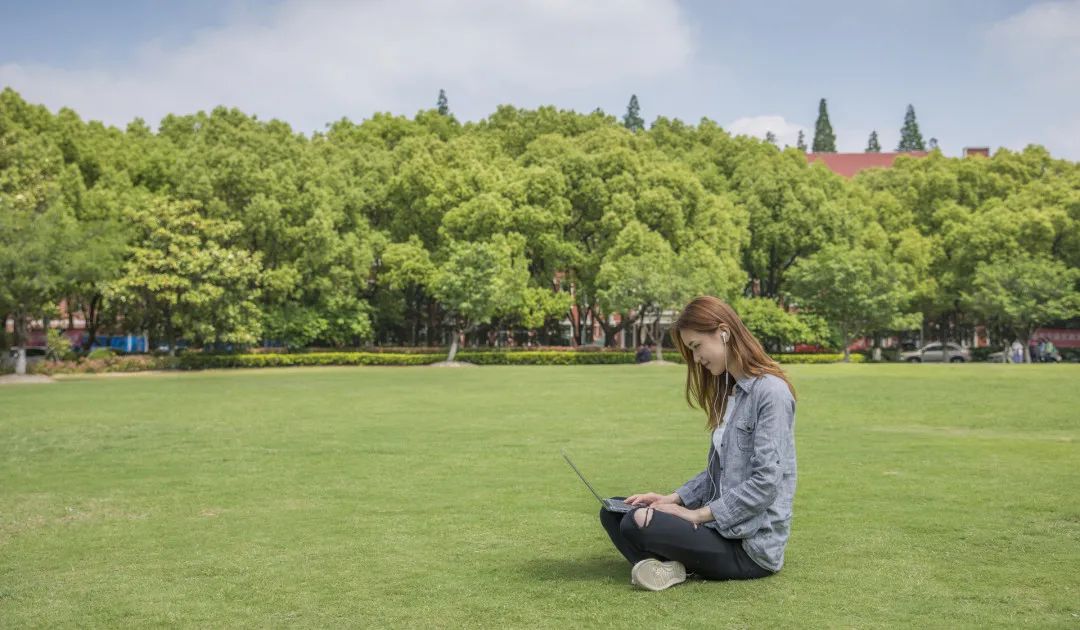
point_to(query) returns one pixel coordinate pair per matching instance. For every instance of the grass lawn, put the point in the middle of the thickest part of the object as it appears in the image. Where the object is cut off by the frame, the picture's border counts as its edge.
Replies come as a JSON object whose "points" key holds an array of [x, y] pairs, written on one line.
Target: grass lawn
{"points": [[929, 495]]}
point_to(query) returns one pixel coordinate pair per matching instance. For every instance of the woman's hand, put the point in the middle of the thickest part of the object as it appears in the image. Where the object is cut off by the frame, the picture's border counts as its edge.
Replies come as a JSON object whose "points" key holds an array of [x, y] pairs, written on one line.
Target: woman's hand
{"points": [[703, 515], [651, 499]]}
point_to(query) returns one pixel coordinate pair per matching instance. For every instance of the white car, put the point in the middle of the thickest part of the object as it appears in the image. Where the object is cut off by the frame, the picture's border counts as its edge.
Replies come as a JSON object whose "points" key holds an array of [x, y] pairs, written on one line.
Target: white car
{"points": [[934, 353]]}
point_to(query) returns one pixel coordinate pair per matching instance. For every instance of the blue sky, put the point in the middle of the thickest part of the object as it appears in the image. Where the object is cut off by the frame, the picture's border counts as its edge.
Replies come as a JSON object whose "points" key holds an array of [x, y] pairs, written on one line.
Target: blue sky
{"points": [[986, 72]]}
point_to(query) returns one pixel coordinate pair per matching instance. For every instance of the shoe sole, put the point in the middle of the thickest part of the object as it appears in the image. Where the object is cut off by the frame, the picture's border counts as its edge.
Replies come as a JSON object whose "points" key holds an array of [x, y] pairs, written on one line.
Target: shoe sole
{"points": [[678, 575]]}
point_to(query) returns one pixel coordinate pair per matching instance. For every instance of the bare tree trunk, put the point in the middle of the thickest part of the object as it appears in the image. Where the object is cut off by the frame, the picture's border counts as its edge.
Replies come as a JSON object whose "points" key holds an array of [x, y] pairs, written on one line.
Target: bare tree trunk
{"points": [[658, 338], [20, 343], [428, 334], [587, 325], [575, 325], [414, 321], [170, 333], [454, 345], [610, 330]]}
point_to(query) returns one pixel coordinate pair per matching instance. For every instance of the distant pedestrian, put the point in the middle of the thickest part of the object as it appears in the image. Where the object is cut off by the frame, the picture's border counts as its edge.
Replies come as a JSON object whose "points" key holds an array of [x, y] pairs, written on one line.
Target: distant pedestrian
{"points": [[644, 355], [1017, 351], [1049, 352]]}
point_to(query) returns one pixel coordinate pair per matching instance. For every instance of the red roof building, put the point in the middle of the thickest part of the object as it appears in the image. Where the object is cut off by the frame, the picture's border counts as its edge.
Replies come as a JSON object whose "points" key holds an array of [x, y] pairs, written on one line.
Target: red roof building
{"points": [[847, 164]]}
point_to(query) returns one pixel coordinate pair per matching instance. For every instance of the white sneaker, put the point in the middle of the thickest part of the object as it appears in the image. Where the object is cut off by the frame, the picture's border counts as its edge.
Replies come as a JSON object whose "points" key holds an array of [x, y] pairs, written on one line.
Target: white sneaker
{"points": [[653, 575]]}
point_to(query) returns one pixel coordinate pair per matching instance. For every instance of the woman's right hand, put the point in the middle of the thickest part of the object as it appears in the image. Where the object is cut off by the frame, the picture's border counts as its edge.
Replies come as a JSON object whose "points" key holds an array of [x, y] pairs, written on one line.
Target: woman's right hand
{"points": [[651, 498]]}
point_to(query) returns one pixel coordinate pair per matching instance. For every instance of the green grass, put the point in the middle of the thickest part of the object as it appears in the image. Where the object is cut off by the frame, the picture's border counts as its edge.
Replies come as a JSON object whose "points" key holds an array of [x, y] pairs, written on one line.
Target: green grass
{"points": [[944, 496]]}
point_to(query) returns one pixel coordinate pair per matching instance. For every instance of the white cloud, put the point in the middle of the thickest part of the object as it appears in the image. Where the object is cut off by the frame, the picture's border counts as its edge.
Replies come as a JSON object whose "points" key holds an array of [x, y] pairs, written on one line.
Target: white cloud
{"points": [[313, 62], [757, 126], [1042, 41], [1039, 49]]}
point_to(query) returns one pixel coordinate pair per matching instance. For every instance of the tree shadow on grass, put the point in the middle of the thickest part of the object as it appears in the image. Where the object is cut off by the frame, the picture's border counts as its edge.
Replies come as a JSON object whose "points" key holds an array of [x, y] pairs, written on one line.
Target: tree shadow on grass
{"points": [[594, 569]]}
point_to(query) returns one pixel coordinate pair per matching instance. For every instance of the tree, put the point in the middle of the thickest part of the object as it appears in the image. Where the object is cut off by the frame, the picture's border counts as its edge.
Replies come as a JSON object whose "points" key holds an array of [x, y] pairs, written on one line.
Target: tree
{"points": [[350, 225], [776, 327], [1022, 292], [770, 137], [800, 144], [443, 104], [857, 290], [824, 138], [637, 275], [405, 272], [873, 146], [793, 211], [34, 249], [180, 274], [910, 138], [479, 281], [933, 145], [97, 261], [38, 228], [632, 120]]}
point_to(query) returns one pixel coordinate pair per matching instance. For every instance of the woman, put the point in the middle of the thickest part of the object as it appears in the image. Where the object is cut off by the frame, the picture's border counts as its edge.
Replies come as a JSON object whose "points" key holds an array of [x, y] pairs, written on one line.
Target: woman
{"points": [[731, 521]]}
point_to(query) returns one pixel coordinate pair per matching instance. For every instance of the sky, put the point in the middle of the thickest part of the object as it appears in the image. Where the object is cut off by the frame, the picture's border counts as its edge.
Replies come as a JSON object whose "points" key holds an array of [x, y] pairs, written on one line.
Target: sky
{"points": [[997, 73]]}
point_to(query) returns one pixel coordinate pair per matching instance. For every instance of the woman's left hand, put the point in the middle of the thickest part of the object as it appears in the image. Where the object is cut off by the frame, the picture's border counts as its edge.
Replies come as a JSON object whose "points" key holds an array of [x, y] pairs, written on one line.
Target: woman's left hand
{"points": [[694, 516]]}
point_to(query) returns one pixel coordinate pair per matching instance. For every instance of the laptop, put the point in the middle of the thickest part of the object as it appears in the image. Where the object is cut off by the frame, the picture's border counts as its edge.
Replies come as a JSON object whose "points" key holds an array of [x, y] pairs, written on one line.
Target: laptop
{"points": [[611, 505]]}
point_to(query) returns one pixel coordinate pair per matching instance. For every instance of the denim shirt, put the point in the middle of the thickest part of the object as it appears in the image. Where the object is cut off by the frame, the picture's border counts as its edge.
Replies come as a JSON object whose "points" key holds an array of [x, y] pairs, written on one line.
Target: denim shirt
{"points": [[749, 485]]}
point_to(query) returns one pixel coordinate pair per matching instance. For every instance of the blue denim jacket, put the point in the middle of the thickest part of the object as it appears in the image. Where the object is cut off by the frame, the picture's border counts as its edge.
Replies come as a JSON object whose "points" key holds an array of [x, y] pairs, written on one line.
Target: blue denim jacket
{"points": [[750, 484]]}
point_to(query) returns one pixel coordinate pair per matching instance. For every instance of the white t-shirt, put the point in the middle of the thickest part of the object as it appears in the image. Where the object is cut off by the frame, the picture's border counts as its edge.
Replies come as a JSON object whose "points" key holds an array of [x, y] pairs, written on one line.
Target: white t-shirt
{"points": [[718, 432]]}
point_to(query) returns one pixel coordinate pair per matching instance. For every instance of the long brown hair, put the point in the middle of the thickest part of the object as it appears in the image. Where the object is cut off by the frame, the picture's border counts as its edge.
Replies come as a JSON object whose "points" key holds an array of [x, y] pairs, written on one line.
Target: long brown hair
{"points": [[705, 314]]}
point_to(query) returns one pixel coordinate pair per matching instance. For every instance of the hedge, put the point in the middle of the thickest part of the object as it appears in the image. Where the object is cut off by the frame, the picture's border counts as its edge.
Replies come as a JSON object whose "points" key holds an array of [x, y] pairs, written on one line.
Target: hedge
{"points": [[109, 363], [193, 361], [789, 359], [199, 361]]}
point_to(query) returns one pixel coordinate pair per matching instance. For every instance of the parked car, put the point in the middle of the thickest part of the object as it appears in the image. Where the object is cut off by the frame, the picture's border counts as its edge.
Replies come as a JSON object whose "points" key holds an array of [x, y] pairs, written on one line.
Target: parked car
{"points": [[935, 353]]}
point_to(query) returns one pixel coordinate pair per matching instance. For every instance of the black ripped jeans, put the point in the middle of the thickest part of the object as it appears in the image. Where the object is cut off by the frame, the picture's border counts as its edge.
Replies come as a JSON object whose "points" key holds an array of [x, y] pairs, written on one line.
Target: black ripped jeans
{"points": [[701, 550]]}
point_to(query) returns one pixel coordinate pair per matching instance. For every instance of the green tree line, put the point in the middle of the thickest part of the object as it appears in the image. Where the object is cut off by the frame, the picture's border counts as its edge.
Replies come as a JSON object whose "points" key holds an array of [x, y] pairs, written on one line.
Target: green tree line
{"points": [[222, 228]]}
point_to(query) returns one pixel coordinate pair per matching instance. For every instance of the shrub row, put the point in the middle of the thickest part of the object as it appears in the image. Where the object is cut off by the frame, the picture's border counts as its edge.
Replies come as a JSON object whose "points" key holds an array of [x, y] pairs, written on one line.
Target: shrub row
{"points": [[443, 350], [546, 358], [198, 361], [789, 359], [108, 363], [193, 361]]}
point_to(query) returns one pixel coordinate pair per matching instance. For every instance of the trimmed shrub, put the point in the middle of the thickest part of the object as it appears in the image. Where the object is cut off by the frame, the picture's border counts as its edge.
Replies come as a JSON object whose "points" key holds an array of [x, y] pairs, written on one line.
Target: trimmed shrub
{"points": [[100, 353], [192, 361], [111, 363], [198, 361], [789, 359], [546, 358]]}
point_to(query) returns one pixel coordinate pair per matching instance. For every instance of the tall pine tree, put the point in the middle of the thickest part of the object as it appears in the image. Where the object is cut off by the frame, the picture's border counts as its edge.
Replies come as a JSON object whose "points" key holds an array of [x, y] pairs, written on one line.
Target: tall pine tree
{"points": [[910, 138], [824, 138], [800, 144], [632, 120], [443, 104], [872, 145]]}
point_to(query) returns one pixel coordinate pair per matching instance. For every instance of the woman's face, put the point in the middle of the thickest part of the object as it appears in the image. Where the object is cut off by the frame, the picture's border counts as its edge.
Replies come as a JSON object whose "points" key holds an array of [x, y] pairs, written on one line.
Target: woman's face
{"points": [[710, 349]]}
